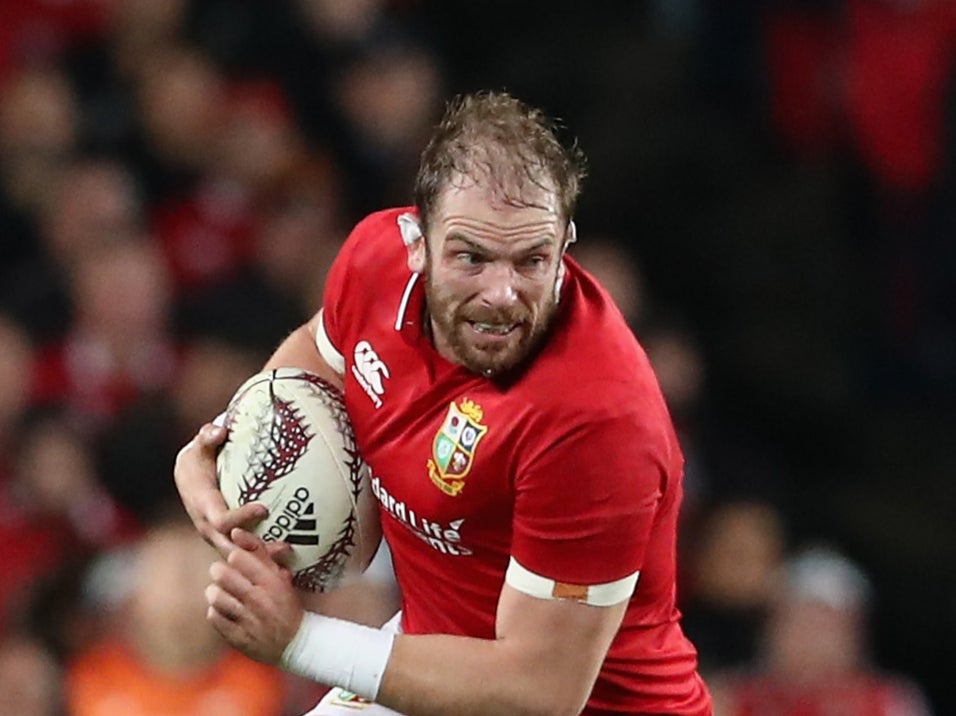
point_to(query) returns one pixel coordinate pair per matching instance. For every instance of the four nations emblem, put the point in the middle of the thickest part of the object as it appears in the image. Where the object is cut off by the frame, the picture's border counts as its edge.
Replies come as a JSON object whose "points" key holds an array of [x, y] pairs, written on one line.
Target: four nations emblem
{"points": [[453, 449]]}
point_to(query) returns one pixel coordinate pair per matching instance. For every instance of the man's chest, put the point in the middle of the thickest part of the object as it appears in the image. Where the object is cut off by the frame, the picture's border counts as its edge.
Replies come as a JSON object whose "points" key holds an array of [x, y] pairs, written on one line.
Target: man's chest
{"points": [[441, 443]]}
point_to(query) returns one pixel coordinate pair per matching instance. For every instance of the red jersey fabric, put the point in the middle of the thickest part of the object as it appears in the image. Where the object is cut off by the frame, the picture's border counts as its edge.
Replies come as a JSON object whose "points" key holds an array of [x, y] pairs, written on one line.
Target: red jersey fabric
{"points": [[572, 467]]}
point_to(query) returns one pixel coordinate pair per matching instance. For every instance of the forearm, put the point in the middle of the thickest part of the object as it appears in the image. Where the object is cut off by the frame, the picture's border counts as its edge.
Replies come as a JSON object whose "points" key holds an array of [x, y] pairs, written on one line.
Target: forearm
{"points": [[545, 660], [435, 675], [371, 602]]}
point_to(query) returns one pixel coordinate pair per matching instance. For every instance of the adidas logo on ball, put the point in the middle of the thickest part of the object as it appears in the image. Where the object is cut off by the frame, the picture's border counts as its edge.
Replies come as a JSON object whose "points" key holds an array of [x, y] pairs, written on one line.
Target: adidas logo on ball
{"points": [[296, 523]]}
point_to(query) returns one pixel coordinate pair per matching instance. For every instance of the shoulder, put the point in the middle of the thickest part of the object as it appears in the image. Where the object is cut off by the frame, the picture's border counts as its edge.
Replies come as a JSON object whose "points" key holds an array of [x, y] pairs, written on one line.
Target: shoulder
{"points": [[379, 231], [373, 255], [368, 286], [593, 375], [593, 356]]}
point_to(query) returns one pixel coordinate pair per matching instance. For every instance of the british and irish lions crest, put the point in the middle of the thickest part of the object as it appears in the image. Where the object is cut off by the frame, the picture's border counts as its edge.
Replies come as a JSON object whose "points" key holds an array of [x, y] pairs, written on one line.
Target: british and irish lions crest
{"points": [[453, 450]]}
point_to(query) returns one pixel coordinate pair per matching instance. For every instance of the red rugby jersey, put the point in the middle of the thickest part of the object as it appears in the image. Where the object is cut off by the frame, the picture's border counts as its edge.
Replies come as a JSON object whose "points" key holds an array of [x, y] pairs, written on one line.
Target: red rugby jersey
{"points": [[572, 469]]}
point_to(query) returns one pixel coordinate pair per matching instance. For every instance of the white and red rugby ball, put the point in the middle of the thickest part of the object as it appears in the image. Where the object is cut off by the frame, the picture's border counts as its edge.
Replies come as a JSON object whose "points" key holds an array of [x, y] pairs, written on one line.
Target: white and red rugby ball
{"points": [[291, 447]]}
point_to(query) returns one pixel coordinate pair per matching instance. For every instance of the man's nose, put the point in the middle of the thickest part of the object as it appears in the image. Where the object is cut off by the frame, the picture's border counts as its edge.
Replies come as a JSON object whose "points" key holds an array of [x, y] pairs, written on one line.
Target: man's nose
{"points": [[499, 285]]}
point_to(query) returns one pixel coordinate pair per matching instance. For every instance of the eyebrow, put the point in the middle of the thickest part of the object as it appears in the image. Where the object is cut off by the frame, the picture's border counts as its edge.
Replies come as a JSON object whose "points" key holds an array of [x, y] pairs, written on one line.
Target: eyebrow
{"points": [[544, 242]]}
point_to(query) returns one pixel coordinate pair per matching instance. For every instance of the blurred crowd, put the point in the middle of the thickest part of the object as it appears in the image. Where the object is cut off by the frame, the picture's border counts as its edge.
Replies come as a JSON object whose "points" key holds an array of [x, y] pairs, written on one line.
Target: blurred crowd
{"points": [[769, 204]]}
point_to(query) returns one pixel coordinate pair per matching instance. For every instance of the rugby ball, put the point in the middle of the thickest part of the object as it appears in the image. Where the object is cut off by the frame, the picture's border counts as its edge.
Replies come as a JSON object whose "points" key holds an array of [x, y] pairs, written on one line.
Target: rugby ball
{"points": [[290, 446]]}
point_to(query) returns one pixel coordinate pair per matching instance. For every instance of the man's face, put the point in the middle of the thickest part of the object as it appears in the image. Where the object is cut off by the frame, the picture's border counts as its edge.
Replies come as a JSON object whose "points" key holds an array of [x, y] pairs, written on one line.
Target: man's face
{"points": [[490, 273]]}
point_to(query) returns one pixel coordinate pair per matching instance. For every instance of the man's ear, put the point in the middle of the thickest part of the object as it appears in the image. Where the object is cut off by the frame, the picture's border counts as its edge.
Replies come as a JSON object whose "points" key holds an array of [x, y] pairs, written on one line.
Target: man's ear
{"points": [[414, 242], [572, 235], [416, 256]]}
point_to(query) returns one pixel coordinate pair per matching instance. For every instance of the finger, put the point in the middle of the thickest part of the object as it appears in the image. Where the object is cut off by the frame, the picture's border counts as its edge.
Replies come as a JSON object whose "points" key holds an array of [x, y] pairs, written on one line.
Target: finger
{"points": [[238, 634], [231, 580], [228, 629], [195, 478], [279, 552], [224, 603], [245, 516], [211, 437], [247, 540], [213, 615], [251, 556], [256, 567], [221, 522], [265, 579], [214, 520], [219, 541], [206, 528]]}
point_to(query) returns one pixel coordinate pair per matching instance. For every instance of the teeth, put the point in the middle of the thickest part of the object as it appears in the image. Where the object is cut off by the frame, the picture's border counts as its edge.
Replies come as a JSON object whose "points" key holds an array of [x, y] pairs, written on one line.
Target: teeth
{"points": [[493, 328]]}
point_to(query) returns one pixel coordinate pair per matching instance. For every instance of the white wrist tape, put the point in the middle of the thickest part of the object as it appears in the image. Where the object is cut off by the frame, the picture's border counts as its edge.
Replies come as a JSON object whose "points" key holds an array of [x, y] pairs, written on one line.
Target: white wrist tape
{"points": [[339, 653]]}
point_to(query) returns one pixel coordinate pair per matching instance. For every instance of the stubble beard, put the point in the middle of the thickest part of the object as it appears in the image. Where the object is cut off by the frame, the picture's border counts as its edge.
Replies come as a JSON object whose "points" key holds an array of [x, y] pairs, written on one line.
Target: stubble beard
{"points": [[450, 320]]}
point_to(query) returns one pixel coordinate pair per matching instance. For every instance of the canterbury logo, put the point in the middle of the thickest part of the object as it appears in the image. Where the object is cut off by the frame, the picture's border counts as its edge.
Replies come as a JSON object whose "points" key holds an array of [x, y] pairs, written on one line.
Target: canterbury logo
{"points": [[370, 371]]}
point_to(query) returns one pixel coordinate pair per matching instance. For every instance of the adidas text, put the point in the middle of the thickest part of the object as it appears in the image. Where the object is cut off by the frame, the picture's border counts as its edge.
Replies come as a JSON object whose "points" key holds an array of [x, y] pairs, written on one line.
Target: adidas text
{"points": [[294, 525]]}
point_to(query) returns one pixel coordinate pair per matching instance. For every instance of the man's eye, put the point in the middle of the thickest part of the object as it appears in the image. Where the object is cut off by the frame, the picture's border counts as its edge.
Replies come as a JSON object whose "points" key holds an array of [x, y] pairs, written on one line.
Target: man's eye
{"points": [[469, 258], [534, 262]]}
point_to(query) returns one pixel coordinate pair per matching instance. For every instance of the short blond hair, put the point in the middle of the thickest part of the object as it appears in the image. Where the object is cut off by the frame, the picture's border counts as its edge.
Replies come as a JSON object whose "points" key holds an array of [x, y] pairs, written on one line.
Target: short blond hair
{"points": [[495, 137]]}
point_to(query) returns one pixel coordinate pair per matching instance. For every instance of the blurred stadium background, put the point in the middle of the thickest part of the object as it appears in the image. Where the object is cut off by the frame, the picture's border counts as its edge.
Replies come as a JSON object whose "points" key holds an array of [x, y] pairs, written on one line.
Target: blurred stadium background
{"points": [[771, 200]]}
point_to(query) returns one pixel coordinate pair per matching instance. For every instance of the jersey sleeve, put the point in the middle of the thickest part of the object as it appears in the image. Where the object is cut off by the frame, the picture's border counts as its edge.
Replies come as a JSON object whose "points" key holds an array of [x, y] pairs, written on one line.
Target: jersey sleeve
{"points": [[357, 267], [584, 510], [329, 339]]}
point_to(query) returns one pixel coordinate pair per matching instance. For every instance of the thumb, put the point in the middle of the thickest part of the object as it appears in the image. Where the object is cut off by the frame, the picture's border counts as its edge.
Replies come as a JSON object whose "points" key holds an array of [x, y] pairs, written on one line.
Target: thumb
{"points": [[211, 435]]}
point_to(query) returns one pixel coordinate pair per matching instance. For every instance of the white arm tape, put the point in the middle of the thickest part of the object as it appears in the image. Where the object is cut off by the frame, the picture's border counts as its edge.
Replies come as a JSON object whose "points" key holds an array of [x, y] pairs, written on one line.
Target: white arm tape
{"points": [[339, 653], [597, 595], [328, 351]]}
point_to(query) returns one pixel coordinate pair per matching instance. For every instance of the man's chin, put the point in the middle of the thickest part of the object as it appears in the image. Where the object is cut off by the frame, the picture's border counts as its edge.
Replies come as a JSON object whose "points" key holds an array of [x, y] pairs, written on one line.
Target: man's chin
{"points": [[490, 365], [490, 357]]}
